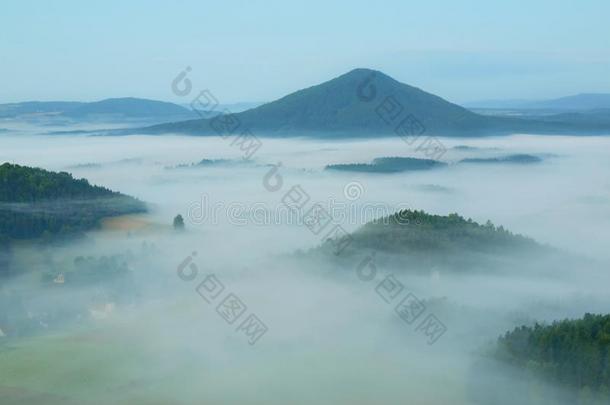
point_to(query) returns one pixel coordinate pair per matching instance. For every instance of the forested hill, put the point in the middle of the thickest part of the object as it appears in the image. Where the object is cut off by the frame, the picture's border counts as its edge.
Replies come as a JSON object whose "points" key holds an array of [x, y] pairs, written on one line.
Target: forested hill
{"points": [[417, 242], [570, 352], [27, 184], [410, 231], [36, 202]]}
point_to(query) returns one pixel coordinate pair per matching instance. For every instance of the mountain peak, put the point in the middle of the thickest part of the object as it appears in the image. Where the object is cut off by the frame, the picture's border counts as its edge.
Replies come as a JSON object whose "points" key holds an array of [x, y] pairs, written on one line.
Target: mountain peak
{"points": [[362, 72], [337, 106], [365, 73]]}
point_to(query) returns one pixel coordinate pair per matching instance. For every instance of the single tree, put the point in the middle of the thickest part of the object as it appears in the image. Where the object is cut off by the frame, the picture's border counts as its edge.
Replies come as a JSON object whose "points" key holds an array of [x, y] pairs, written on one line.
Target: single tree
{"points": [[178, 222]]}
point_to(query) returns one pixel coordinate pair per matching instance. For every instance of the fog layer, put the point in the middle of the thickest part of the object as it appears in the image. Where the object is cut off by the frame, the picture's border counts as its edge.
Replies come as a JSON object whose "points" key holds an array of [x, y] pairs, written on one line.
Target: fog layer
{"points": [[331, 337]]}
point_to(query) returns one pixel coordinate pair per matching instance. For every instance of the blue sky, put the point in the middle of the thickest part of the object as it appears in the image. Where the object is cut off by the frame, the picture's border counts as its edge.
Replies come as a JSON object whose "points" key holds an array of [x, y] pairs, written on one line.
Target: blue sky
{"points": [[260, 50]]}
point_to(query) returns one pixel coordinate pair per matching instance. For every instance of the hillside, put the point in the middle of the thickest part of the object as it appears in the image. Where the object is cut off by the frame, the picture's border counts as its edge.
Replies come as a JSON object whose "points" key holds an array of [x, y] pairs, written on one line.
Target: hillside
{"points": [[35, 202], [572, 353]]}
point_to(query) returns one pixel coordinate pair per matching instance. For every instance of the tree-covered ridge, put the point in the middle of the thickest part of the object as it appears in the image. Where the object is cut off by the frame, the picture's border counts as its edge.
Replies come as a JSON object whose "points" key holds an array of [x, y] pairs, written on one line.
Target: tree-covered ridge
{"points": [[35, 202], [521, 158], [388, 165], [27, 184], [569, 352], [416, 231]]}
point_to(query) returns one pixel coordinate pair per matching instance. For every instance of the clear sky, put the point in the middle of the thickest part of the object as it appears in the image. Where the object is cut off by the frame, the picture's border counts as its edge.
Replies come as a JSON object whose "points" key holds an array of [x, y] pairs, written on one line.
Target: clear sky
{"points": [[259, 50]]}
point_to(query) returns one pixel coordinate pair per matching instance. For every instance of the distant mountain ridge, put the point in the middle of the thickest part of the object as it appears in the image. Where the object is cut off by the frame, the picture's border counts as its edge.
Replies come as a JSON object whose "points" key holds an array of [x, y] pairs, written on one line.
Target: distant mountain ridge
{"points": [[578, 102], [12, 110], [127, 107], [360, 103], [585, 101]]}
